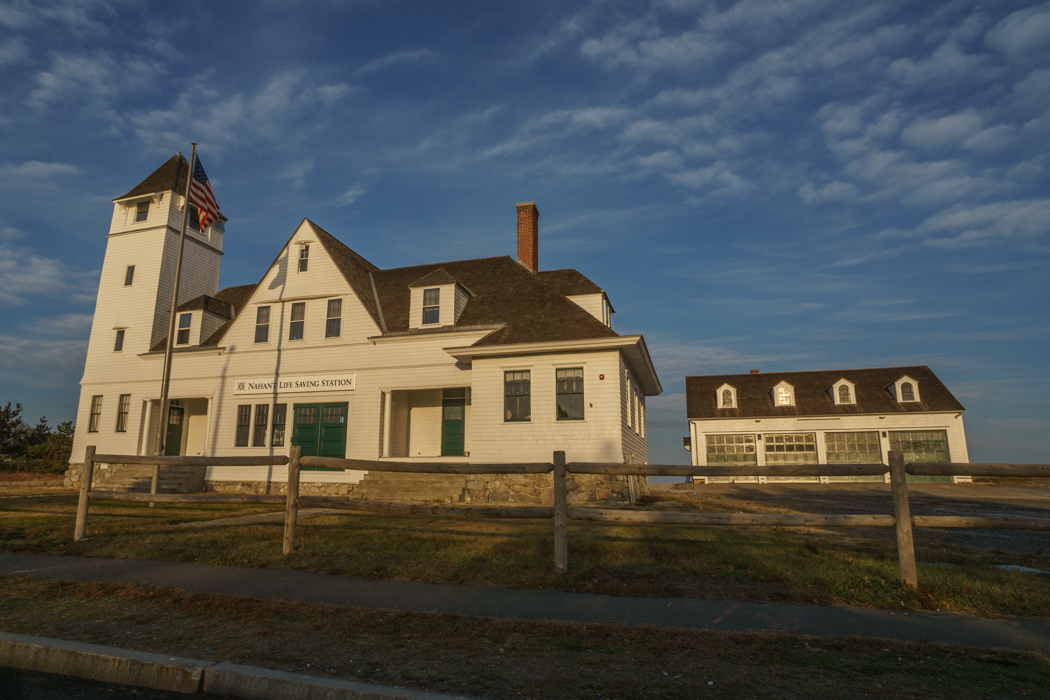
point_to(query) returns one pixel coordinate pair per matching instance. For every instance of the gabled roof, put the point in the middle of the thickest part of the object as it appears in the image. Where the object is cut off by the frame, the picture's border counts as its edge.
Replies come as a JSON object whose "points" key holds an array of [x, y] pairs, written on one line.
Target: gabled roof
{"points": [[356, 270], [170, 176], [504, 293], [210, 304], [225, 300], [811, 393], [438, 276]]}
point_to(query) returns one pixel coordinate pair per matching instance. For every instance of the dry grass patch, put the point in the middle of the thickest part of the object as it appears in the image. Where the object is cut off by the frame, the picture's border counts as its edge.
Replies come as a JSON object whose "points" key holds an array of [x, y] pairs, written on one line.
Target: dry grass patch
{"points": [[508, 658], [771, 564]]}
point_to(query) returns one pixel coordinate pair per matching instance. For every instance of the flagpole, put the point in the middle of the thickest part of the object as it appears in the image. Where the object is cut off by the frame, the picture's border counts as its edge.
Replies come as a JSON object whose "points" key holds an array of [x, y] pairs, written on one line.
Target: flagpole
{"points": [[162, 429]]}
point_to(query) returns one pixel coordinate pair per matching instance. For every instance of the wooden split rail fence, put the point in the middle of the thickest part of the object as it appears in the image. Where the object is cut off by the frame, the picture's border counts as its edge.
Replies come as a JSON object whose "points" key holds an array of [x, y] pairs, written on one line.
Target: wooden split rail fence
{"points": [[901, 518]]}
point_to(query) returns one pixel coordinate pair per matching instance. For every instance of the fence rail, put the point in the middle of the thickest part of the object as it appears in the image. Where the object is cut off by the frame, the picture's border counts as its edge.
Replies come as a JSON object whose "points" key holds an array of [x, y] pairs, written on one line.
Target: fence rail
{"points": [[560, 513]]}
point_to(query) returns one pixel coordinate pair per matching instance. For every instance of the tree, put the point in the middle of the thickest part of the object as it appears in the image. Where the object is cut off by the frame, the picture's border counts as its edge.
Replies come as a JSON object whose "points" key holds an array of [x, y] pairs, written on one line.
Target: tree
{"points": [[12, 431]]}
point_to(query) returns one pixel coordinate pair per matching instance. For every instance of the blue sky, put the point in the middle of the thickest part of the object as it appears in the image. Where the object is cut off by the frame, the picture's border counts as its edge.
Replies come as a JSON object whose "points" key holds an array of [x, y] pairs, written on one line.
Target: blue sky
{"points": [[771, 184]]}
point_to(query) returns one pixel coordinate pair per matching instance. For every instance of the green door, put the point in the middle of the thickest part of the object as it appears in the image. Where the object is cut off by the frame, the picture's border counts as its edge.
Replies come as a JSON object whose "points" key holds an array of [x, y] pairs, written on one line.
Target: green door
{"points": [[173, 437], [922, 446], [453, 423], [320, 430]]}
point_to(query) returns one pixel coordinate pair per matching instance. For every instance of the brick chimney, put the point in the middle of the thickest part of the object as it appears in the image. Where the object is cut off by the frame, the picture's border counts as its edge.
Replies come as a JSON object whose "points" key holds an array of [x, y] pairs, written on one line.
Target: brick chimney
{"points": [[529, 235]]}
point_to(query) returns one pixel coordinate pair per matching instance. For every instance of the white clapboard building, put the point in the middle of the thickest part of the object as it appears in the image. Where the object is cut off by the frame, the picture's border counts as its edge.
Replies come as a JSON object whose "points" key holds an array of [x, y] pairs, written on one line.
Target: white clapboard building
{"points": [[486, 361], [849, 416]]}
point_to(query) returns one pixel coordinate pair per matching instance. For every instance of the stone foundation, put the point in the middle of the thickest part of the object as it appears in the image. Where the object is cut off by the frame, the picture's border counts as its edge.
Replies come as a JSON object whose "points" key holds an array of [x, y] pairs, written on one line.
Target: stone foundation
{"points": [[481, 489]]}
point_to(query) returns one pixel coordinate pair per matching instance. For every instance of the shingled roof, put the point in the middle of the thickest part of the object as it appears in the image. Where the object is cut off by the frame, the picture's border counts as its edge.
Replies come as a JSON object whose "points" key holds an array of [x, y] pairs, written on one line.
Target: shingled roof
{"points": [[170, 176], [356, 270], [812, 397], [569, 282], [503, 293]]}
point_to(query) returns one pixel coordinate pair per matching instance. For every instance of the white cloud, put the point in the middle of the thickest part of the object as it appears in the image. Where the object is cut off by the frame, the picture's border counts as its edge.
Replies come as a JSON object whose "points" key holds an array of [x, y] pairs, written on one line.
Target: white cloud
{"points": [[37, 169], [833, 191], [947, 64], [44, 362], [98, 76], [23, 273], [350, 196], [13, 51], [1023, 35], [949, 130], [716, 179], [965, 226], [407, 57]]}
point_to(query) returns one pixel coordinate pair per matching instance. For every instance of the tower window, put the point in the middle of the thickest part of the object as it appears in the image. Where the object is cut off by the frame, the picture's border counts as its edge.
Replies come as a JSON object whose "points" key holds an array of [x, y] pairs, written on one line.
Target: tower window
{"points": [[141, 211], [96, 412], [304, 257], [129, 275], [195, 218], [183, 336], [119, 344]]}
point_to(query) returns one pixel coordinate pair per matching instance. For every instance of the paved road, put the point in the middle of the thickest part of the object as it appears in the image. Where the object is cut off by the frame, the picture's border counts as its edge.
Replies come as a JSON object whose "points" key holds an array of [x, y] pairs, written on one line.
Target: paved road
{"points": [[690, 613]]}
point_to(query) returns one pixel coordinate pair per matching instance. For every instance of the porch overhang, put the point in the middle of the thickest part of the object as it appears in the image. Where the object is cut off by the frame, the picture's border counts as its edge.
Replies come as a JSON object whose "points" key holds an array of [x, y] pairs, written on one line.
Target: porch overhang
{"points": [[633, 348]]}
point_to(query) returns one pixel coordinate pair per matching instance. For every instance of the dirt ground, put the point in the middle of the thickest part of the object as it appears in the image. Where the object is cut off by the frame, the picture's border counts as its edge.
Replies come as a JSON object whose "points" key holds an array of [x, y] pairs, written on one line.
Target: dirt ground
{"points": [[977, 499]]}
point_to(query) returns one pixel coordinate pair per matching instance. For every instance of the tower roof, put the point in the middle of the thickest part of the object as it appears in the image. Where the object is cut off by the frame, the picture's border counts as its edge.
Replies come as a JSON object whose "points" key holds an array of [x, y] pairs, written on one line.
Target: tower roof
{"points": [[170, 176]]}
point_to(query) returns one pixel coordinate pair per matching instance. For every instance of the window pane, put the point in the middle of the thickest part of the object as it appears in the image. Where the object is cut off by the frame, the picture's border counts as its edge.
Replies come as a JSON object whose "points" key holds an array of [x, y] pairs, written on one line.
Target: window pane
{"points": [[122, 412], [907, 392], [333, 327], [280, 410], [733, 450], [853, 448], [304, 257], [119, 344], [129, 275], [569, 390], [791, 448], [261, 421], [517, 388], [244, 417], [96, 411], [844, 396], [431, 297], [296, 328], [142, 211]]}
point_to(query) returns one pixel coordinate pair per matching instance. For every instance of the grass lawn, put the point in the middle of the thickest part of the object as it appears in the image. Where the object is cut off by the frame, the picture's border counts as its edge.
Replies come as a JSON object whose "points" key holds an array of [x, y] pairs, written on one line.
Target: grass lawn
{"points": [[840, 566], [510, 658]]}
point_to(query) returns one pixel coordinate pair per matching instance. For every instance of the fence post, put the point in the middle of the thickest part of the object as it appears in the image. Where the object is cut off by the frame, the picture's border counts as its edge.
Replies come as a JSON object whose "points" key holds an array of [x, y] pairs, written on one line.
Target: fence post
{"points": [[153, 484], [86, 473], [902, 513], [561, 515], [291, 492]]}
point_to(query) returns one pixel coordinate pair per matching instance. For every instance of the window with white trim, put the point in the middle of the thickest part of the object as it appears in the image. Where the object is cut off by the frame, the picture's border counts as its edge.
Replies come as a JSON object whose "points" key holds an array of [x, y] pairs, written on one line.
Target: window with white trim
{"points": [[244, 420], [262, 324], [333, 327], [569, 391], [297, 326], [141, 211], [280, 413], [431, 306], [304, 257], [732, 450], [183, 335], [96, 413], [262, 420], [517, 396], [123, 404], [791, 448], [907, 391]]}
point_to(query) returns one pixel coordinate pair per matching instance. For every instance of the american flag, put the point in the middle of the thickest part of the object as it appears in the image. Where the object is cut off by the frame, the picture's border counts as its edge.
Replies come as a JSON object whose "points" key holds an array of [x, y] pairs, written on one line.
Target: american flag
{"points": [[202, 196]]}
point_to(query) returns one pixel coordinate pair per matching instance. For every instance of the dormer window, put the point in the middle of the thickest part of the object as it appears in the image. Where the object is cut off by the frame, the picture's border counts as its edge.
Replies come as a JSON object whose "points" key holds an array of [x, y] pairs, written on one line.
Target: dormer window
{"points": [[141, 211], [843, 393], [183, 336], [726, 396], [905, 389], [304, 257], [783, 394], [431, 306]]}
